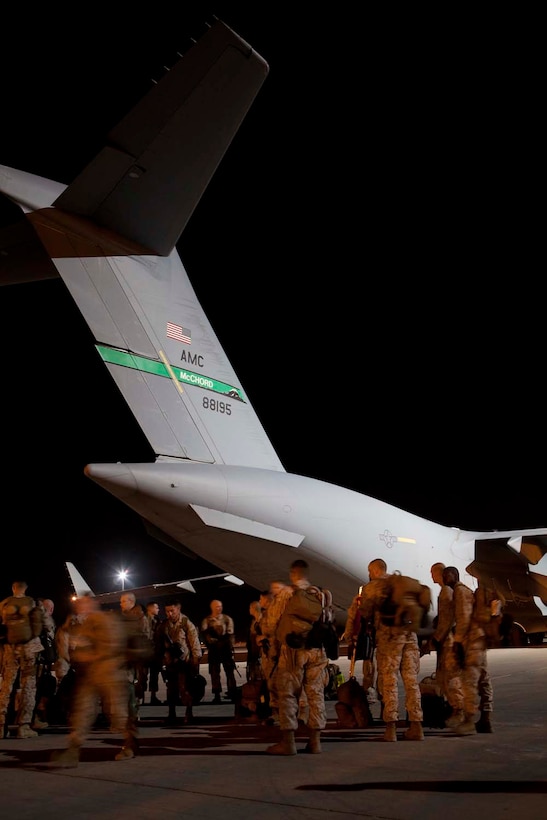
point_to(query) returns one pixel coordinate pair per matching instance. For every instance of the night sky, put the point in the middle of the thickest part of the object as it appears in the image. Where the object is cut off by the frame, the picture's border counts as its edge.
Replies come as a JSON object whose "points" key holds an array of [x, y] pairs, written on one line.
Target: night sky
{"points": [[368, 253]]}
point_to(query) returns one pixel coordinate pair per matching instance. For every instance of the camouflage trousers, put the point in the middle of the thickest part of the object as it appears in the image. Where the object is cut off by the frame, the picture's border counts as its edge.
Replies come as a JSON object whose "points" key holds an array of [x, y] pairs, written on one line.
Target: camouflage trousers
{"points": [[478, 694], [20, 658], [107, 683], [448, 674], [301, 671], [398, 652], [224, 660]]}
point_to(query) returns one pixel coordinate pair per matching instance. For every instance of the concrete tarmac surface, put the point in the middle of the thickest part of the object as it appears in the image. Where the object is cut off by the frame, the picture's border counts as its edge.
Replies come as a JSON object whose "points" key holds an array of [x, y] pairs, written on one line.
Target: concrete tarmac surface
{"points": [[217, 767]]}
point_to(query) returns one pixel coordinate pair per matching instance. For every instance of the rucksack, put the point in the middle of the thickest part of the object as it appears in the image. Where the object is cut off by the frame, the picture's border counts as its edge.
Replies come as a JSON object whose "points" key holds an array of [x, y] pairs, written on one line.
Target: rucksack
{"points": [[334, 680], [325, 627], [483, 608], [19, 615], [303, 608], [407, 603], [308, 621]]}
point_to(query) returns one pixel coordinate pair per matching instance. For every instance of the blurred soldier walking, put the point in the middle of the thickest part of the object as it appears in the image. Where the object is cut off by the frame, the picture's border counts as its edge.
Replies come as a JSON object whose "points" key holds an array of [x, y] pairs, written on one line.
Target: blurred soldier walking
{"points": [[97, 648]]}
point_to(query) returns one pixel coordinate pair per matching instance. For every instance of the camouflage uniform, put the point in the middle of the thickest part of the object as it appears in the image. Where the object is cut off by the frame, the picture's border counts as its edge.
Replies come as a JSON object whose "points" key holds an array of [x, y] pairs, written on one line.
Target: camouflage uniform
{"points": [[476, 683], [138, 651], [19, 657], [448, 670], [254, 669], [271, 648], [397, 652], [301, 670], [178, 649], [354, 624], [97, 646], [218, 634]]}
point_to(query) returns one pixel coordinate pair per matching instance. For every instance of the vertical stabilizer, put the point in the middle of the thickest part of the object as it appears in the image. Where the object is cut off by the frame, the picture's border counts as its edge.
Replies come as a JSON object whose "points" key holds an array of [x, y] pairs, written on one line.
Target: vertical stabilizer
{"points": [[80, 586]]}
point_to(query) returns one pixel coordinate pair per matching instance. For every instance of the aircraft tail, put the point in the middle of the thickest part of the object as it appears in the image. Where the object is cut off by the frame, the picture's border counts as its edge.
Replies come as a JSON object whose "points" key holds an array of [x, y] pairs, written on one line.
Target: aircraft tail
{"points": [[79, 584], [111, 237]]}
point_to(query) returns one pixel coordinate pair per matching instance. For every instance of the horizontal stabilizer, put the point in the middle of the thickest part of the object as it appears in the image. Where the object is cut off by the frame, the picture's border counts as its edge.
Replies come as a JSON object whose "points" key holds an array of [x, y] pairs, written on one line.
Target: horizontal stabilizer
{"points": [[148, 179], [245, 526]]}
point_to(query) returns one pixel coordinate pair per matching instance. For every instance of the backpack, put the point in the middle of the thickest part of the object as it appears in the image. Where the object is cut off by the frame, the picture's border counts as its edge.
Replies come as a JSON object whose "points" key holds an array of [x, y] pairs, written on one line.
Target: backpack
{"points": [[484, 604], [308, 621], [334, 678], [407, 603], [252, 700], [352, 709], [20, 624], [325, 627], [303, 609]]}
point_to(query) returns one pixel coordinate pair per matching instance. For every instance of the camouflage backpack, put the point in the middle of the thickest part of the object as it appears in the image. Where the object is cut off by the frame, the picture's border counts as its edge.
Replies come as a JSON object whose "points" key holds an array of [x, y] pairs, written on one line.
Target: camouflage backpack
{"points": [[22, 619], [407, 603]]}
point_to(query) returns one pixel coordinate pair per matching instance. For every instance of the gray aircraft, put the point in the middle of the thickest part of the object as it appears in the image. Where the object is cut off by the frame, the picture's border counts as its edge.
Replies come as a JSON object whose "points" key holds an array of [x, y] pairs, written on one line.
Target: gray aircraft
{"points": [[216, 486]]}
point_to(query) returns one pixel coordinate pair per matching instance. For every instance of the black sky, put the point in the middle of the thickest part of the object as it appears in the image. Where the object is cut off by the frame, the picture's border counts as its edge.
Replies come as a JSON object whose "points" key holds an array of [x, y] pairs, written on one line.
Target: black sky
{"points": [[368, 253]]}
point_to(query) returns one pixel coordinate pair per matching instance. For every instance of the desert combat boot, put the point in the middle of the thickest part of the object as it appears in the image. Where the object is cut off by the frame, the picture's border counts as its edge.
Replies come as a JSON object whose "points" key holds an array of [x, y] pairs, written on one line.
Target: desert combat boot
{"points": [[286, 746], [390, 734], [314, 744], [415, 731]]}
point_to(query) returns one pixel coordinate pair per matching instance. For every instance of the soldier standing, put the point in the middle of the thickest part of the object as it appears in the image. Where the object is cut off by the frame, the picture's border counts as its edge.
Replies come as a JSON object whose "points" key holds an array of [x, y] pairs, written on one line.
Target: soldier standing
{"points": [[152, 671], [447, 669], [178, 649], [470, 653], [299, 670], [274, 603], [218, 634], [22, 623], [397, 652]]}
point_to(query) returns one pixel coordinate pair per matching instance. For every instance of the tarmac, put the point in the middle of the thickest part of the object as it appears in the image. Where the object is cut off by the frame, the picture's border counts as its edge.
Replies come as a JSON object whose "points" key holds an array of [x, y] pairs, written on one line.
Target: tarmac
{"points": [[217, 767]]}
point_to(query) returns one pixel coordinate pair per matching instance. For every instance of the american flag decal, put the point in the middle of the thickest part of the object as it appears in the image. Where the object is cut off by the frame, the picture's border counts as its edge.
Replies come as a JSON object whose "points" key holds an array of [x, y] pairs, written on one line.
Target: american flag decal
{"points": [[181, 334]]}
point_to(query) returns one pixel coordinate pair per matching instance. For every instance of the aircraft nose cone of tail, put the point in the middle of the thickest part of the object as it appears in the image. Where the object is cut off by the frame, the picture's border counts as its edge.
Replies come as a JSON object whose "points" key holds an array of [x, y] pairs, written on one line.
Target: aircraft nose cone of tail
{"points": [[116, 478]]}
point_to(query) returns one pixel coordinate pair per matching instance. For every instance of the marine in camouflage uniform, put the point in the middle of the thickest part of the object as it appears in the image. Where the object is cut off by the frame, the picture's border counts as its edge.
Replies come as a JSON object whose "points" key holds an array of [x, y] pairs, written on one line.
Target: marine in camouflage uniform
{"points": [[269, 645], [470, 653], [138, 651], [300, 670], [447, 669], [178, 650], [45, 681], [397, 652], [218, 634], [22, 623], [97, 648], [353, 633]]}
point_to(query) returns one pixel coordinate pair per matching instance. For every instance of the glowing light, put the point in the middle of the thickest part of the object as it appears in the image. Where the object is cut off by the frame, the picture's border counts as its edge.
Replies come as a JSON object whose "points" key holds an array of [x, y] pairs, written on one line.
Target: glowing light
{"points": [[122, 576]]}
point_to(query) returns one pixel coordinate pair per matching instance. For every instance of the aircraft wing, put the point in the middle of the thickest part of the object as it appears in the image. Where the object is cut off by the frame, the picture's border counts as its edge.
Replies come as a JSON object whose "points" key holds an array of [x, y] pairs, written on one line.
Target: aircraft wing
{"points": [[502, 564], [150, 591]]}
